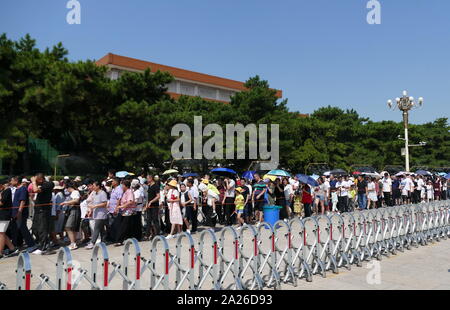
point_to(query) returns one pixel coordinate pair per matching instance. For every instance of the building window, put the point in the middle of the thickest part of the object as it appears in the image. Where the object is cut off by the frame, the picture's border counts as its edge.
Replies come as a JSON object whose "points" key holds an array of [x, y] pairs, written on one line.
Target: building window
{"points": [[225, 95], [187, 89], [207, 92], [172, 87], [113, 74]]}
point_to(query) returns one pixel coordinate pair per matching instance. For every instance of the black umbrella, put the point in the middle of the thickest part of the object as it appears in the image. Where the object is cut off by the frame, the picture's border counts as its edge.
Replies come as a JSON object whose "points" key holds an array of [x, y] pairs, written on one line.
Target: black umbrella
{"points": [[423, 172], [338, 172]]}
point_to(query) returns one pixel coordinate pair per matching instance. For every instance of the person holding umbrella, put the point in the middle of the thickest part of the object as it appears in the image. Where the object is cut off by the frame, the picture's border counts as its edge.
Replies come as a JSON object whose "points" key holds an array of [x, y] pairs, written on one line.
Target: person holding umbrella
{"points": [[173, 201]]}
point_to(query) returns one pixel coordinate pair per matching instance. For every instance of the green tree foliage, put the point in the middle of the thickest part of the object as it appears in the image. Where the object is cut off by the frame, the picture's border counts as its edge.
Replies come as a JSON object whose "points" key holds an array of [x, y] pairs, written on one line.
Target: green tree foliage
{"points": [[126, 123]]}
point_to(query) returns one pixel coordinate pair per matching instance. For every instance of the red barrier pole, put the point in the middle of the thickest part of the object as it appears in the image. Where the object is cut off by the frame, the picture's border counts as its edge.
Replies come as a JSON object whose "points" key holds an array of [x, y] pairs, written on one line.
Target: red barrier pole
{"points": [[167, 261], [105, 273], [192, 257], [138, 267], [215, 253], [273, 242], [69, 278], [28, 281]]}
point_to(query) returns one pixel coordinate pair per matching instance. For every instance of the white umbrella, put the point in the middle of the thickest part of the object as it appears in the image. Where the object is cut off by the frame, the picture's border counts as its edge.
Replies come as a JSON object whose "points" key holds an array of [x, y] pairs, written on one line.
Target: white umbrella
{"points": [[315, 176], [370, 174], [401, 173]]}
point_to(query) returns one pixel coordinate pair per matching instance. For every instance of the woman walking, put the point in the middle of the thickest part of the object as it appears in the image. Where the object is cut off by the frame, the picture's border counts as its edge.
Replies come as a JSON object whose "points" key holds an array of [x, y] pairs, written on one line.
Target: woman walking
{"points": [[97, 208], [173, 201], [307, 199], [73, 215], [127, 208], [319, 201], [372, 194], [288, 192], [187, 203], [5, 217], [137, 217]]}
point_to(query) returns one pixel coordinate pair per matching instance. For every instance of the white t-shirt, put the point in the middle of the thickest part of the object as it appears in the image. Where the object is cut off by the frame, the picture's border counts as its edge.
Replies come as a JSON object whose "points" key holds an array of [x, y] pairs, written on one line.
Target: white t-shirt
{"points": [[139, 199], [161, 197], [74, 195], [403, 187], [295, 184], [288, 191], [230, 192], [420, 184], [387, 185], [345, 186], [84, 209], [194, 193], [326, 187], [429, 191], [409, 184]]}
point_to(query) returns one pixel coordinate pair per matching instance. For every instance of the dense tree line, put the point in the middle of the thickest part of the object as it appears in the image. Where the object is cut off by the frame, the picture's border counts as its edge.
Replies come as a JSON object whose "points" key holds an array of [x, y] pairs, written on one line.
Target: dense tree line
{"points": [[126, 123]]}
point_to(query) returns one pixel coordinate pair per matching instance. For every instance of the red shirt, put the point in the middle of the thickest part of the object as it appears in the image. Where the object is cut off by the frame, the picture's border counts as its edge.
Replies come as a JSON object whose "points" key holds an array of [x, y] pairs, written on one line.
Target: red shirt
{"points": [[306, 197]]}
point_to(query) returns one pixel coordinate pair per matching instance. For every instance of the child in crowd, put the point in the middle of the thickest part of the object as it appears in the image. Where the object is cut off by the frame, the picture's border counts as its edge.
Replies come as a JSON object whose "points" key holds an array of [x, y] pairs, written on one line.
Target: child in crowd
{"points": [[298, 206], [239, 202], [353, 197], [334, 199]]}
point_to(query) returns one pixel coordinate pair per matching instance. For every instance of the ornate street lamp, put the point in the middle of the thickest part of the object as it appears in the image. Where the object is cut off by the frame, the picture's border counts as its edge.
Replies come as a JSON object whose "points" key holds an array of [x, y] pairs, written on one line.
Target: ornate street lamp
{"points": [[405, 104]]}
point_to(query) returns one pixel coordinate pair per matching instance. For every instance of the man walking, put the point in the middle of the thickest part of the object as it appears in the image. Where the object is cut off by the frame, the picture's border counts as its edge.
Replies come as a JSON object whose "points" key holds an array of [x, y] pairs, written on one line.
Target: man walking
{"points": [[362, 192], [152, 208], [387, 189], [20, 214], [42, 212], [228, 202], [193, 190]]}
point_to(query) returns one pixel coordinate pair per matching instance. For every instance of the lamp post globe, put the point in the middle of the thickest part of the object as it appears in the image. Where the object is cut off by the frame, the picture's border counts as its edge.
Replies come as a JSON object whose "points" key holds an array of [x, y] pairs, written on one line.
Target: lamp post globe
{"points": [[405, 104]]}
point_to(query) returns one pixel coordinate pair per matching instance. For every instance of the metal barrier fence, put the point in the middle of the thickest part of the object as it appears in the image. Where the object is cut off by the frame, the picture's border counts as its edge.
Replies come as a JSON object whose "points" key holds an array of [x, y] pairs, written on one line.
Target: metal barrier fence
{"points": [[253, 257]]}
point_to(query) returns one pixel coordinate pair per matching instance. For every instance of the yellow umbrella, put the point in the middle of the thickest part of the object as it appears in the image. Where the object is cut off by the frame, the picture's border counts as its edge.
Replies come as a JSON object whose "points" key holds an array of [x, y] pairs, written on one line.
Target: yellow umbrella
{"points": [[270, 177], [170, 171]]}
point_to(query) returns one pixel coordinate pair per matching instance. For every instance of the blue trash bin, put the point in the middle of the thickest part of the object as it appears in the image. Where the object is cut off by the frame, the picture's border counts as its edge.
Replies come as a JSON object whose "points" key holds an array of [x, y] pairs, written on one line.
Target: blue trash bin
{"points": [[271, 214]]}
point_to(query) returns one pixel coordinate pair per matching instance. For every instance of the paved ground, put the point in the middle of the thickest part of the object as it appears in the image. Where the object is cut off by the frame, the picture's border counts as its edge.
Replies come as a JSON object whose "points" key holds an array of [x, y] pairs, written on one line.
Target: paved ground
{"points": [[423, 268], [420, 268]]}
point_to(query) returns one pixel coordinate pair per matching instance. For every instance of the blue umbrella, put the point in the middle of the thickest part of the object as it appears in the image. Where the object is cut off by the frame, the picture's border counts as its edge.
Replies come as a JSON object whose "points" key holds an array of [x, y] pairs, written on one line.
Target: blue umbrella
{"points": [[122, 174], [250, 175], [223, 172], [307, 179], [447, 176], [279, 173], [190, 174]]}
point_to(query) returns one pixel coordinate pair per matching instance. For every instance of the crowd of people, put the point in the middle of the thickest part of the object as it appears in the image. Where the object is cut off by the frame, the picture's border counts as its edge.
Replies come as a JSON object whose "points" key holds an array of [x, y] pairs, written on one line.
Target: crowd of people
{"points": [[77, 212]]}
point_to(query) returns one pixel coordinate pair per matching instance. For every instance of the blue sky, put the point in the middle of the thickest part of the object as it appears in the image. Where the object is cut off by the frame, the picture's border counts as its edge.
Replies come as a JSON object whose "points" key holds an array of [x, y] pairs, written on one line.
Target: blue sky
{"points": [[319, 52]]}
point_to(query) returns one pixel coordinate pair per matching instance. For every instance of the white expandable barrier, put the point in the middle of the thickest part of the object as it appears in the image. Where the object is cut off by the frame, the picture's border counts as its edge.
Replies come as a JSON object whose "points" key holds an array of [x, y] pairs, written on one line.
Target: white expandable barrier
{"points": [[252, 257]]}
